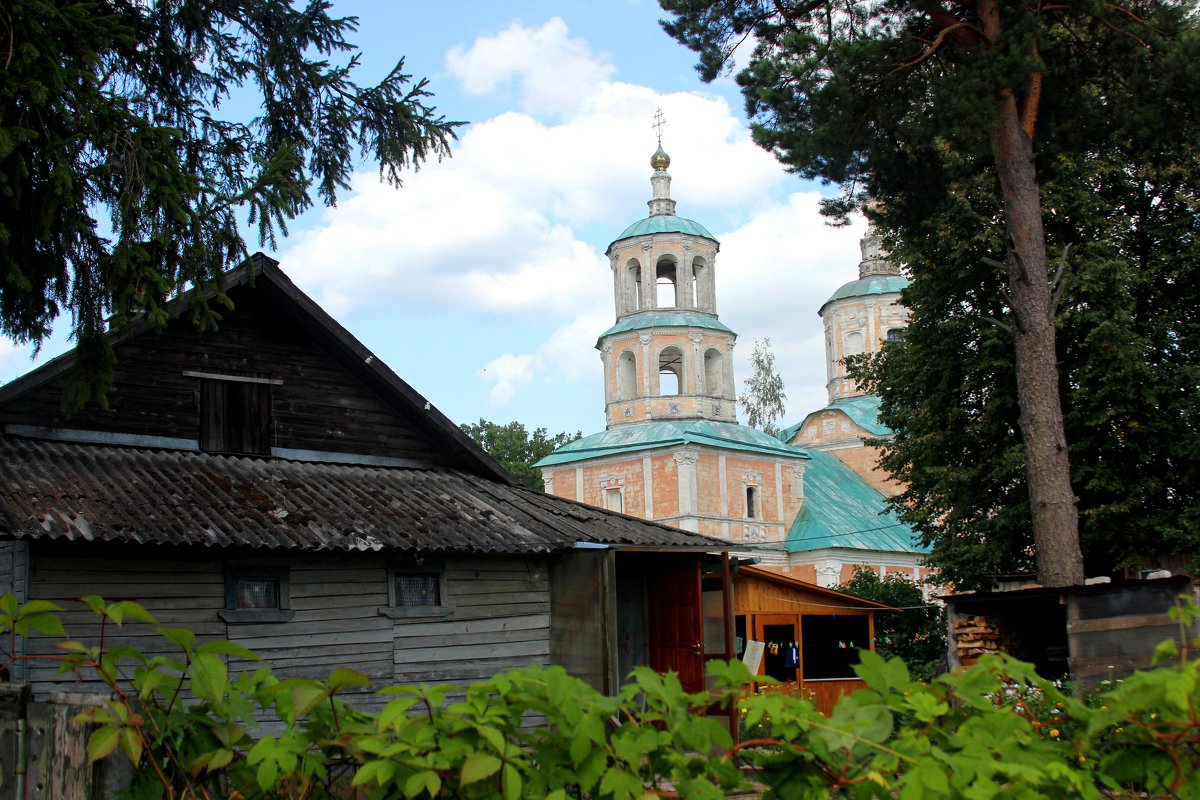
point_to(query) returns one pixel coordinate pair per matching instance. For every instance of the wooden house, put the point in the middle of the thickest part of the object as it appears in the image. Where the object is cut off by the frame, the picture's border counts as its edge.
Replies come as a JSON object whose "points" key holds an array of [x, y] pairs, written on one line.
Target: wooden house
{"points": [[275, 484], [811, 635]]}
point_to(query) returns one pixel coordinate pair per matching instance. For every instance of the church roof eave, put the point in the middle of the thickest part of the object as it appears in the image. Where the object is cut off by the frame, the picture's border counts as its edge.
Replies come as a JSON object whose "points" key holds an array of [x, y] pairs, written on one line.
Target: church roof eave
{"points": [[665, 318], [663, 434], [663, 223], [866, 287], [863, 411]]}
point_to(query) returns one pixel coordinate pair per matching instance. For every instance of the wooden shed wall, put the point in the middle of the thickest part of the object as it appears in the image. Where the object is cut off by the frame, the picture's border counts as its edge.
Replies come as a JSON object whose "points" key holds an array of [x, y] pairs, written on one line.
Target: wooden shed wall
{"points": [[318, 406], [757, 596], [583, 595], [1115, 631], [500, 617]]}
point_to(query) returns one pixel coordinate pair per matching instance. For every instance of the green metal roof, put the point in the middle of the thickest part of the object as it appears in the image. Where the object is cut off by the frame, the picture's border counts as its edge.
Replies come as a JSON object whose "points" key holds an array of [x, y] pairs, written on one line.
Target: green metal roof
{"points": [[875, 284], [841, 510], [664, 223], [655, 435], [666, 318], [863, 411]]}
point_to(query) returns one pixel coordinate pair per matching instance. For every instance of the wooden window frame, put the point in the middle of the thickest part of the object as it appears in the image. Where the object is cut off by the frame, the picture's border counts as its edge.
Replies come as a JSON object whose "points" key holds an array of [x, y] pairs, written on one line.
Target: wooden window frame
{"points": [[217, 402], [395, 611], [234, 615]]}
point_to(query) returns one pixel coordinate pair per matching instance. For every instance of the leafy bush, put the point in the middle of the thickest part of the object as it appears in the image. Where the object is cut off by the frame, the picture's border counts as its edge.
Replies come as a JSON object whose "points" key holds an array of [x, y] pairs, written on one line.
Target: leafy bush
{"points": [[916, 634], [997, 729]]}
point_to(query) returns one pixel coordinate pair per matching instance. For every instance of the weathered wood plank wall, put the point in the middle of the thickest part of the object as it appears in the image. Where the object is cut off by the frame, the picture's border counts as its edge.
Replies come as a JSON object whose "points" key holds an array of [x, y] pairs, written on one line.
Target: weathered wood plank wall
{"points": [[501, 620], [499, 616], [319, 405]]}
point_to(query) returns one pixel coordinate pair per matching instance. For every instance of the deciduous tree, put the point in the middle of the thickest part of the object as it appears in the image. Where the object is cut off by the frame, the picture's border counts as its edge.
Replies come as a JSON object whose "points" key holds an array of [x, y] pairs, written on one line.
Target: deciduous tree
{"points": [[916, 633], [764, 397], [516, 448], [126, 162]]}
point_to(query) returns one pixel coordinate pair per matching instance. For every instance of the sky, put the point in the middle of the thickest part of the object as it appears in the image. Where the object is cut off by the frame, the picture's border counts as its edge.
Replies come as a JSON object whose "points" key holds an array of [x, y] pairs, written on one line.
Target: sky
{"points": [[482, 281]]}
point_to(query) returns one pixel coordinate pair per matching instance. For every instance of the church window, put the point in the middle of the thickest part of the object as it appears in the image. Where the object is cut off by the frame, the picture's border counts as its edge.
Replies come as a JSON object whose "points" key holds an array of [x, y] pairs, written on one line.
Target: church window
{"points": [[854, 343], [697, 281], [634, 272], [714, 373], [752, 509], [667, 289], [613, 500], [670, 371], [626, 376], [895, 334]]}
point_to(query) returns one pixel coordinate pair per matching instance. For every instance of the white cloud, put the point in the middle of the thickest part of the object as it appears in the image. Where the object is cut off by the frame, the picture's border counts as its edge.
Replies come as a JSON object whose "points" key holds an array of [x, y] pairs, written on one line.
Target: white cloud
{"points": [[515, 225], [773, 274], [509, 372], [12, 358], [569, 354], [553, 70], [17, 359]]}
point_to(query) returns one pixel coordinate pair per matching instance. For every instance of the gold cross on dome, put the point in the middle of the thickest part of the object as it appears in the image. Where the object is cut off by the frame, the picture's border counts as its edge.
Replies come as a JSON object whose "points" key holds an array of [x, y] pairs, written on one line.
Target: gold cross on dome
{"points": [[659, 122]]}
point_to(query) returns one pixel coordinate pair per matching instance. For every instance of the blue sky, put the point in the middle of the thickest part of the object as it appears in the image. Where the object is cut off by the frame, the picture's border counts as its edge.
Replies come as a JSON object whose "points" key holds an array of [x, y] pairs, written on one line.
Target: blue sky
{"points": [[482, 281]]}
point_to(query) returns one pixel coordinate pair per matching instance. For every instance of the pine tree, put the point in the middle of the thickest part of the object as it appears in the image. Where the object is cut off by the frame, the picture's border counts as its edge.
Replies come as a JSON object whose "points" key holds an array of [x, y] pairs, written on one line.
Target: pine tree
{"points": [[123, 177], [899, 100], [764, 397]]}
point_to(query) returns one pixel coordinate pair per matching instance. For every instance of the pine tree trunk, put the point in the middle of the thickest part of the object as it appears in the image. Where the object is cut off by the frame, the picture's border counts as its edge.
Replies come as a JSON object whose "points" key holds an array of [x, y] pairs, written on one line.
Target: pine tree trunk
{"points": [[1047, 467]]}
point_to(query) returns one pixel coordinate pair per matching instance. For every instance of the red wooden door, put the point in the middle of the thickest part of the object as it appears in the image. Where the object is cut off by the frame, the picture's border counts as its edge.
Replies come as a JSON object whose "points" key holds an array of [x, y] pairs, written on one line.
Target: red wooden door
{"points": [[675, 622]]}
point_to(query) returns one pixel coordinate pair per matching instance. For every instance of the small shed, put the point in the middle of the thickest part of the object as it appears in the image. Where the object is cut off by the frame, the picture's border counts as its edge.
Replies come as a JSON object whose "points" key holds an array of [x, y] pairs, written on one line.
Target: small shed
{"points": [[811, 635], [1087, 633]]}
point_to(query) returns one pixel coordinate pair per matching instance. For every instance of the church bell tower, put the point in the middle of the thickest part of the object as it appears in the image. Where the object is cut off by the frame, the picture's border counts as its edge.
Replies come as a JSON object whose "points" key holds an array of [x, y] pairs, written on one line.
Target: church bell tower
{"points": [[667, 357]]}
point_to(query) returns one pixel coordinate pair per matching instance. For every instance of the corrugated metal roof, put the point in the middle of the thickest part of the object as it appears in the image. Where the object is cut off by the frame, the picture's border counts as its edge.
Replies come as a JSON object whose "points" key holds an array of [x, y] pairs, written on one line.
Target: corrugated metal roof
{"points": [[875, 284], [863, 411], [67, 491], [841, 510], [653, 435], [664, 223], [666, 319]]}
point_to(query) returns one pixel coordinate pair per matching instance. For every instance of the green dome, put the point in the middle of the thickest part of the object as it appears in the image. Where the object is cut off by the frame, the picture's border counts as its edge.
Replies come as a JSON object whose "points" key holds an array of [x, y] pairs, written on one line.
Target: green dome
{"points": [[664, 223], [875, 284]]}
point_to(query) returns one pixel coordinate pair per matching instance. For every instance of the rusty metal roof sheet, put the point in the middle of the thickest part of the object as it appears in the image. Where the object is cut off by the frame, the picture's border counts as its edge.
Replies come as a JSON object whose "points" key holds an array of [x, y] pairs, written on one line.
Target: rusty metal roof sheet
{"points": [[66, 491]]}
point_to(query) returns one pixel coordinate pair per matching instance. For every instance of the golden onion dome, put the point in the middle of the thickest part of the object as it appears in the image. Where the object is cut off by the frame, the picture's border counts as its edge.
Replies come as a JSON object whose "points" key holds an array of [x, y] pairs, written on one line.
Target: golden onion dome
{"points": [[660, 160]]}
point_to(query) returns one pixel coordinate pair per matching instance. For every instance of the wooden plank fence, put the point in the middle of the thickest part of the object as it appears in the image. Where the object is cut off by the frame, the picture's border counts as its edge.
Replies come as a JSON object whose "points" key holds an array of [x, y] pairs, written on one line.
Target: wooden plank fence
{"points": [[43, 751]]}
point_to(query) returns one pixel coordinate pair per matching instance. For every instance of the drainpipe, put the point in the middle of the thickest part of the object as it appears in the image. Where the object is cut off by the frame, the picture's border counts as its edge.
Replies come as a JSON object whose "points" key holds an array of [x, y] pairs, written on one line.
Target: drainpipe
{"points": [[727, 597], [19, 768]]}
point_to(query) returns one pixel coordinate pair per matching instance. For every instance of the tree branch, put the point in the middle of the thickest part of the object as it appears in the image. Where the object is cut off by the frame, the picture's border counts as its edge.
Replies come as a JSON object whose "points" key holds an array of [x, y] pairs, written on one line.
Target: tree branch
{"points": [[1059, 284], [936, 44], [1004, 326], [961, 30]]}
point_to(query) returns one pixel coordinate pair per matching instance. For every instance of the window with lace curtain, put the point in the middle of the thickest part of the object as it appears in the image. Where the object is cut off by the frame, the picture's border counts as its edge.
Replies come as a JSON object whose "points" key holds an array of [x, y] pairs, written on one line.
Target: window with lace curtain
{"points": [[256, 593], [416, 590]]}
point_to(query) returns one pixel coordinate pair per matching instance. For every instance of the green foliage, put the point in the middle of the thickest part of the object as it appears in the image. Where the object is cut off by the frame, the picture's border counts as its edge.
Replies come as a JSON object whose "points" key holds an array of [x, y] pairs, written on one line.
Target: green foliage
{"points": [[192, 729], [916, 634], [1128, 345], [516, 449], [123, 177], [898, 102], [763, 400]]}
